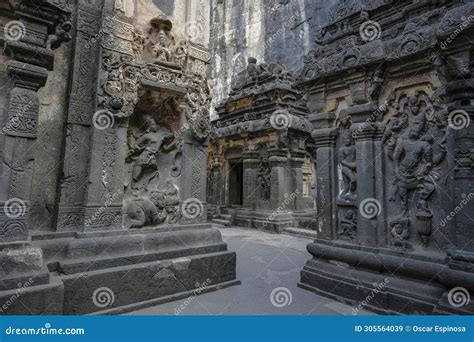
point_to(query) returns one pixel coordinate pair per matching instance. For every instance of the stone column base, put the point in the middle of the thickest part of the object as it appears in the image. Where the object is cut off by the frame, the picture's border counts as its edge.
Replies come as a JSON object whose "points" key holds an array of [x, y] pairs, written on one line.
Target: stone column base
{"points": [[269, 221], [385, 281]]}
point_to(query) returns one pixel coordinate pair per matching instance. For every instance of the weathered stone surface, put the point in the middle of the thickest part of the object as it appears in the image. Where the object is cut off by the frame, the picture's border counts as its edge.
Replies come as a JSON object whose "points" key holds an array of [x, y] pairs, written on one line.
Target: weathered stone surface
{"points": [[391, 181], [348, 121], [126, 119]]}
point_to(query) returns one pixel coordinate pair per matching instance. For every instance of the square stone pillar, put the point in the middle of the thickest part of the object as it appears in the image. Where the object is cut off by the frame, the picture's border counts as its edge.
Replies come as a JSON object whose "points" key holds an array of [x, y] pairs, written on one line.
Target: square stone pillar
{"points": [[370, 184], [250, 164], [296, 179], [326, 181], [18, 136], [194, 178], [278, 159], [103, 207], [82, 106]]}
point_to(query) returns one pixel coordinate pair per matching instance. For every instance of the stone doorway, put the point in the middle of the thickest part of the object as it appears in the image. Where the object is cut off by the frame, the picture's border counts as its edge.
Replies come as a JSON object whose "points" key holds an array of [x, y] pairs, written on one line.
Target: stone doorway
{"points": [[236, 183]]}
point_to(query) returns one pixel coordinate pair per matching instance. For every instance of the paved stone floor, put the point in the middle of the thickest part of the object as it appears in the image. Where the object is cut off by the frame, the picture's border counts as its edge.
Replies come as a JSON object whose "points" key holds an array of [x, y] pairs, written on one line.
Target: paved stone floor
{"points": [[264, 262]]}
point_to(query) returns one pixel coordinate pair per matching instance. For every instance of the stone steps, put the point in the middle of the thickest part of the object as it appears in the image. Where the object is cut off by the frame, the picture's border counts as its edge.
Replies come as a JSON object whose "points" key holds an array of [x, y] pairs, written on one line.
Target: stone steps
{"points": [[221, 222], [227, 217]]}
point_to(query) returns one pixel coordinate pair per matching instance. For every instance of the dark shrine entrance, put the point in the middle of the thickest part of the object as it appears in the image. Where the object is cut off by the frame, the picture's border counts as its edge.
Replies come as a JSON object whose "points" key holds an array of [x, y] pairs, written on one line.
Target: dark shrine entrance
{"points": [[235, 183]]}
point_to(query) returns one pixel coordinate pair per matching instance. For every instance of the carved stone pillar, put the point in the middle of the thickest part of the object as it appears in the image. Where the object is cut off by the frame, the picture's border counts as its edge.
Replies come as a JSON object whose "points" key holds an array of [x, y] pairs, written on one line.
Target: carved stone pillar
{"points": [[19, 137], [325, 141], [460, 96], [103, 208], [193, 186], [370, 182], [29, 44], [278, 159], [296, 179], [82, 105], [250, 164]]}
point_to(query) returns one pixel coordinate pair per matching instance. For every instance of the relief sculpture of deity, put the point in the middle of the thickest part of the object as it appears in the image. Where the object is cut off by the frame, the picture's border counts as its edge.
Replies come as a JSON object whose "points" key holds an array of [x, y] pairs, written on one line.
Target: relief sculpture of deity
{"points": [[144, 153], [347, 164], [415, 139], [148, 203]]}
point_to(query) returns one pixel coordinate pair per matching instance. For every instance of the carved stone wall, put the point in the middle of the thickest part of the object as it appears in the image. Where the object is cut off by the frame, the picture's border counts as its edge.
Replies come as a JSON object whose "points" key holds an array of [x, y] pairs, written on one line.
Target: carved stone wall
{"points": [[133, 151], [27, 113], [386, 83]]}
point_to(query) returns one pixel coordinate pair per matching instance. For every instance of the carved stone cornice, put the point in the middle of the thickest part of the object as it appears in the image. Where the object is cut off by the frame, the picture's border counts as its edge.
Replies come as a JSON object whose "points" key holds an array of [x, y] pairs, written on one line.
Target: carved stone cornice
{"points": [[26, 75], [325, 137], [340, 47], [368, 131], [250, 159], [41, 28]]}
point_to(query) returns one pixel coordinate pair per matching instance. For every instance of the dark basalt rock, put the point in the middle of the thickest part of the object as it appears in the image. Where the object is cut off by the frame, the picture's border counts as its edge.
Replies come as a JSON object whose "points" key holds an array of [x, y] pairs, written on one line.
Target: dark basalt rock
{"points": [[398, 210], [128, 230]]}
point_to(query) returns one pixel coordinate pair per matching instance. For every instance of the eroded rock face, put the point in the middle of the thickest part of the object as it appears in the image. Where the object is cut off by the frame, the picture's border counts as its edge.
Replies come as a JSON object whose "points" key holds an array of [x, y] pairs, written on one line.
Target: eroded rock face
{"points": [[267, 30]]}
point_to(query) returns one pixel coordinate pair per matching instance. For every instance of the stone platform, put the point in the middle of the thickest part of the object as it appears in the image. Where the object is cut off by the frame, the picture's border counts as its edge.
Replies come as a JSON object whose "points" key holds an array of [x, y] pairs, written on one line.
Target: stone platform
{"points": [[391, 282], [116, 271]]}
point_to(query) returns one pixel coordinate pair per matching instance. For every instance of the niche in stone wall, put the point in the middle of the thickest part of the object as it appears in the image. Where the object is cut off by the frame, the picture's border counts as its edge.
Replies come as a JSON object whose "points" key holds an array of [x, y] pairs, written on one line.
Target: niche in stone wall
{"points": [[153, 160]]}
